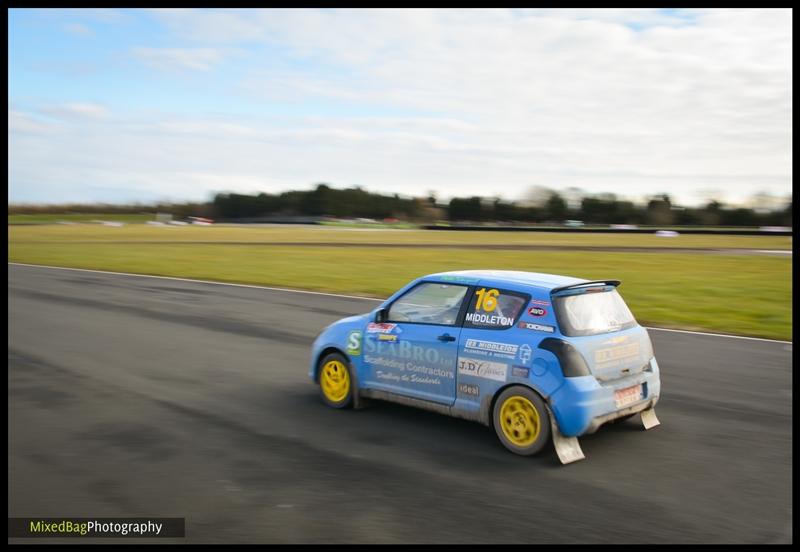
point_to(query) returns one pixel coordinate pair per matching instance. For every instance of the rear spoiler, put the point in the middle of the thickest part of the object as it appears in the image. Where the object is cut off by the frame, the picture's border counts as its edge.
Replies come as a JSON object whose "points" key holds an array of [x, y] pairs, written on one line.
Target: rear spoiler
{"points": [[614, 283]]}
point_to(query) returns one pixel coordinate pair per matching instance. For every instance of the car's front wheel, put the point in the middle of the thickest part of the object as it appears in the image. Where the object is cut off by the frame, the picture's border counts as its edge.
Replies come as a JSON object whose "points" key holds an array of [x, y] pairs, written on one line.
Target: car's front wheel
{"points": [[521, 420], [336, 381]]}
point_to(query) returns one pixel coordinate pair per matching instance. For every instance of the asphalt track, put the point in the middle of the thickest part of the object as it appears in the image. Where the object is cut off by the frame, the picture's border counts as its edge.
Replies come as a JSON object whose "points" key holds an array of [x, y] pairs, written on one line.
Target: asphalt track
{"points": [[135, 396]]}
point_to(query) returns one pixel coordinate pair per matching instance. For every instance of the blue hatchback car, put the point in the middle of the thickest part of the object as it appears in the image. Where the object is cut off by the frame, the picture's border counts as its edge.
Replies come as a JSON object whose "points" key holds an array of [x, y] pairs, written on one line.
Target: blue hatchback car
{"points": [[534, 356]]}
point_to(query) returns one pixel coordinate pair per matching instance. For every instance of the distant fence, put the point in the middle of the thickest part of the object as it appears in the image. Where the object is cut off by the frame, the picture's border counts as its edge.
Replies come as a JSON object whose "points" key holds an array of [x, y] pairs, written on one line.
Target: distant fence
{"points": [[715, 232]]}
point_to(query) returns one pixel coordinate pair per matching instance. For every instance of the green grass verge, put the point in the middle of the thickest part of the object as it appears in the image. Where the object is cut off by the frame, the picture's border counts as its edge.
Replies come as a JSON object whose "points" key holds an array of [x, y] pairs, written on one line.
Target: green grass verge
{"points": [[746, 295]]}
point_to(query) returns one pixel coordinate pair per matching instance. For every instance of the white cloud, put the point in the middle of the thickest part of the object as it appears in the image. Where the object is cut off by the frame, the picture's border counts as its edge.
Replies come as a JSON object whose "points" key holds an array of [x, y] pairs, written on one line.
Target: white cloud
{"points": [[78, 29], [169, 59], [20, 122], [77, 111]]}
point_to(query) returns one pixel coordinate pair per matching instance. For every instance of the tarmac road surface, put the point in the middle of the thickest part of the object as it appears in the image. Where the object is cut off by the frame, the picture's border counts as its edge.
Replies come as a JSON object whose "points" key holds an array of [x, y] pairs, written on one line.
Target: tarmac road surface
{"points": [[133, 396]]}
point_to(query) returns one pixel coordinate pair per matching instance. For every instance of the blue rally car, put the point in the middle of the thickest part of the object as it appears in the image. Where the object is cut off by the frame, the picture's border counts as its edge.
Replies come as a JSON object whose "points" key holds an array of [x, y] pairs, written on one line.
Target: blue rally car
{"points": [[531, 355]]}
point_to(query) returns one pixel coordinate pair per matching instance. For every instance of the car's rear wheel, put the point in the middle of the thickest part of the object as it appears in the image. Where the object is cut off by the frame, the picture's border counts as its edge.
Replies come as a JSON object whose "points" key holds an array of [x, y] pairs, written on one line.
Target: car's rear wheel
{"points": [[336, 381], [521, 420]]}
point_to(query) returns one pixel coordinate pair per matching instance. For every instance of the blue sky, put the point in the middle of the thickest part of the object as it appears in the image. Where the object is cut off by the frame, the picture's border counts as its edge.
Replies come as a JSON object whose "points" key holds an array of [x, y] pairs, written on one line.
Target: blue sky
{"points": [[145, 105]]}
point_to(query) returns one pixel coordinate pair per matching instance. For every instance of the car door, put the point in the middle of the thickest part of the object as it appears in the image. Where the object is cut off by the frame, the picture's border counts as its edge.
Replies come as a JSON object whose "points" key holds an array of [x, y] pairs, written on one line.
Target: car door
{"points": [[414, 351], [490, 351]]}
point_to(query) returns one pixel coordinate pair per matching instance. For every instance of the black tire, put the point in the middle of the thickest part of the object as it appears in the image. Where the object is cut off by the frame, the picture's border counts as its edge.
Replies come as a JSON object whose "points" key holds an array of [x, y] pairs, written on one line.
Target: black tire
{"points": [[524, 422], [324, 380]]}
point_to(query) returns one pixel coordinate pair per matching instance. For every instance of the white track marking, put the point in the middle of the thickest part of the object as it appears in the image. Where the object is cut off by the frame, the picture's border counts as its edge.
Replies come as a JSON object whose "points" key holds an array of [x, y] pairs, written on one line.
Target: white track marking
{"points": [[719, 335], [287, 290]]}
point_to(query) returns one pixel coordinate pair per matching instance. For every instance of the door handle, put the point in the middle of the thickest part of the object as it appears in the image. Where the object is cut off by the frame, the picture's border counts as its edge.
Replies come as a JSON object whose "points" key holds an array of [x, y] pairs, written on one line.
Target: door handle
{"points": [[446, 337]]}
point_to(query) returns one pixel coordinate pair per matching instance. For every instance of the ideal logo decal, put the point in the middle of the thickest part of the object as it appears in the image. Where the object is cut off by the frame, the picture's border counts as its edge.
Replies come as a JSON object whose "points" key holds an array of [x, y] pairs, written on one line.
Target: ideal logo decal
{"points": [[469, 389], [536, 311], [482, 369], [354, 343]]}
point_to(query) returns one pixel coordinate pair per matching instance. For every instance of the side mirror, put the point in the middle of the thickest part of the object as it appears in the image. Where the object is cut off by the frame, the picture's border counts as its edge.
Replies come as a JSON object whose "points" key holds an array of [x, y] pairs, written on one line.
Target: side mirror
{"points": [[382, 315]]}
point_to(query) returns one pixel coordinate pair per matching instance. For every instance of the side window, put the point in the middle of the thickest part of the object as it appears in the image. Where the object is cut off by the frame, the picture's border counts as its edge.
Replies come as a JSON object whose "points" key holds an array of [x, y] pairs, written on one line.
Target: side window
{"points": [[494, 309], [429, 303]]}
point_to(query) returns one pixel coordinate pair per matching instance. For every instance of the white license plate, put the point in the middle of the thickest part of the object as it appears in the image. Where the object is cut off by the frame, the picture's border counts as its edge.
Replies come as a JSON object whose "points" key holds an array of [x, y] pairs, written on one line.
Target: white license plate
{"points": [[629, 395]]}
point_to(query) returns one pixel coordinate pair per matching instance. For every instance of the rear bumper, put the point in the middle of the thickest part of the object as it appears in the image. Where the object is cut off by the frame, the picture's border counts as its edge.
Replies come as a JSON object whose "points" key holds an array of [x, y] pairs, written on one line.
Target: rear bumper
{"points": [[583, 404]]}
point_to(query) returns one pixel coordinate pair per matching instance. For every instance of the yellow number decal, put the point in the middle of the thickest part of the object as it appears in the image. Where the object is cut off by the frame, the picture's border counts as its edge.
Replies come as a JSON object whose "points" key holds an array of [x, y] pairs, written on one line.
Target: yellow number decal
{"points": [[487, 300]]}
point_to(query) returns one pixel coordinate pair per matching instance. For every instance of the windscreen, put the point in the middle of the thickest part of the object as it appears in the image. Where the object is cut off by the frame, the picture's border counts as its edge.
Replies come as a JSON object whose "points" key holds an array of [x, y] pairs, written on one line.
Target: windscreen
{"points": [[592, 313]]}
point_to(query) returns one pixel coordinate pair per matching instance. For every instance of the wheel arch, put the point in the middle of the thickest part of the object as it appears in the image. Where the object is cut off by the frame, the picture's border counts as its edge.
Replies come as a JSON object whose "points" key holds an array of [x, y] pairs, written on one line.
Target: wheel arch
{"points": [[326, 351]]}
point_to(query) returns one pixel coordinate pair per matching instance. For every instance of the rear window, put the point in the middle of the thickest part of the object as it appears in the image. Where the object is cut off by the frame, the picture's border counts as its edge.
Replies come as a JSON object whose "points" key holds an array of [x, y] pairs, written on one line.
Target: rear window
{"points": [[592, 313]]}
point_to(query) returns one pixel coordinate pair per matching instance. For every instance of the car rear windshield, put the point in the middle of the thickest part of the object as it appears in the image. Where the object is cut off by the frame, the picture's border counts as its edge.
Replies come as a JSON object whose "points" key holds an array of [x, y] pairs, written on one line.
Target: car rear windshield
{"points": [[592, 313]]}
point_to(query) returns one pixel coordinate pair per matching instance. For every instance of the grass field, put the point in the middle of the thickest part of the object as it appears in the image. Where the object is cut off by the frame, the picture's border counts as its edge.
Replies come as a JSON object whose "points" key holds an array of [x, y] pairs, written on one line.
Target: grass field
{"points": [[740, 294]]}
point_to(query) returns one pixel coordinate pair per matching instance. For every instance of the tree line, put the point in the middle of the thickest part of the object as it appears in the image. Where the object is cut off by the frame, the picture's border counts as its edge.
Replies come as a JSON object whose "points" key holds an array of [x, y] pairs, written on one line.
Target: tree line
{"points": [[552, 207]]}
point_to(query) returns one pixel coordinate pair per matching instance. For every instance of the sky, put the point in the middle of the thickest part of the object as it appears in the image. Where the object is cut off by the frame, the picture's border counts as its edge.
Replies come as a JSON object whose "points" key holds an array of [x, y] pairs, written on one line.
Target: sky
{"points": [[178, 104]]}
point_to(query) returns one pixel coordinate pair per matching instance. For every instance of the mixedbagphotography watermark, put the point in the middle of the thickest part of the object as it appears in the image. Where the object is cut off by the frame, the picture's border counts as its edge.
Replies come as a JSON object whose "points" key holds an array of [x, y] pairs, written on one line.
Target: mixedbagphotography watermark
{"points": [[97, 527]]}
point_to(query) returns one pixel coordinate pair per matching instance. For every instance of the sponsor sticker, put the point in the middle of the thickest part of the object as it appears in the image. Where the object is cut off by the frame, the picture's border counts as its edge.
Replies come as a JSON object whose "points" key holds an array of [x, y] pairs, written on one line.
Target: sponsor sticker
{"points": [[525, 353], [537, 327], [491, 348], [536, 311], [482, 368], [520, 371], [459, 279], [540, 302], [381, 327], [616, 353], [480, 319], [354, 343], [469, 389], [387, 337]]}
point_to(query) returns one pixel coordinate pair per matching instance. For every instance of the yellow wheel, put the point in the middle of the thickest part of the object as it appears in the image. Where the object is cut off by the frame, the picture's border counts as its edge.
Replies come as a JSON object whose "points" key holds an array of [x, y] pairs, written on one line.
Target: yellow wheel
{"points": [[521, 420], [335, 382]]}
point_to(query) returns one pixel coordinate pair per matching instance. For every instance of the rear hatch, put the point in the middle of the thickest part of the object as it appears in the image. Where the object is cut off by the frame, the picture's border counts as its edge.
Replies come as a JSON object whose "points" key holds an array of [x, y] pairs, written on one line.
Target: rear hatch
{"points": [[600, 326]]}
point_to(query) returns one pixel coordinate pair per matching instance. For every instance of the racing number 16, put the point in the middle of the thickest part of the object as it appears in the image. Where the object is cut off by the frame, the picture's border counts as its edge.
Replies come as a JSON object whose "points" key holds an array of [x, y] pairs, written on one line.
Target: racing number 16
{"points": [[487, 300]]}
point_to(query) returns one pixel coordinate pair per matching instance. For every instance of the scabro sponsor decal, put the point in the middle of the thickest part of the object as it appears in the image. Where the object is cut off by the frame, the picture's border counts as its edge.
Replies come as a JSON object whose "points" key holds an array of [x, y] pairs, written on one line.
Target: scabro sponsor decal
{"points": [[469, 389], [537, 327], [381, 327], [491, 348], [520, 371], [403, 362], [354, 343], [482, 368], [536, 311]]}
